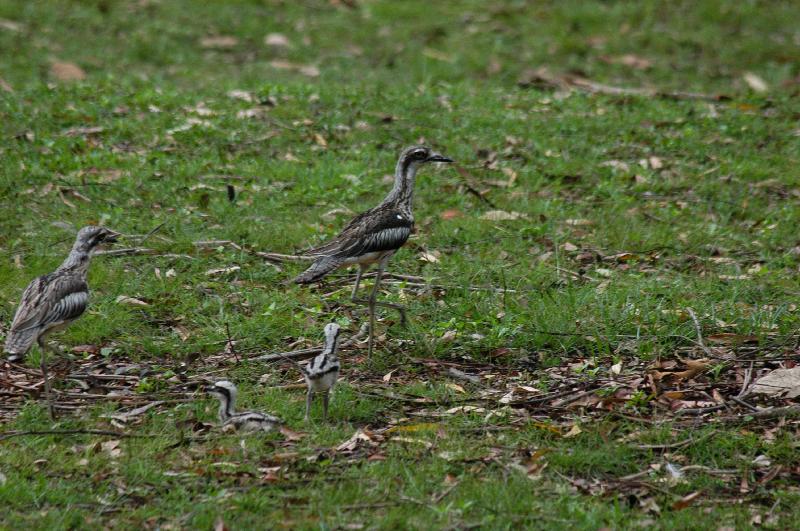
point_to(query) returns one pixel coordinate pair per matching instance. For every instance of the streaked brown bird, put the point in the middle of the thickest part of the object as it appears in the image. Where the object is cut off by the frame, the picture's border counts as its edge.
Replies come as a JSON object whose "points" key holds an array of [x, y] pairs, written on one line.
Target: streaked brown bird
{"points": [[375, 235], [51, 302]]}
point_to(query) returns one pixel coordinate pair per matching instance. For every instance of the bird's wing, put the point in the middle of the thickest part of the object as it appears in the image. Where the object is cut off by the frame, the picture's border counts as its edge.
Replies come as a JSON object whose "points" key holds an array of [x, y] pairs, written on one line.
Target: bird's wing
{"points": [[52, 298], [376, 230], [334, 243], [385, 230]]}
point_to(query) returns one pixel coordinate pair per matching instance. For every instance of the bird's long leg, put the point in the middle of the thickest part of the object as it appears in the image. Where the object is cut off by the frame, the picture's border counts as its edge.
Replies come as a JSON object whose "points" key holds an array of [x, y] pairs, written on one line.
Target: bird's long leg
{"points": [[399, 307], [325, 398], [372, 296], [361, 269], [47, 392], [309, 398]]}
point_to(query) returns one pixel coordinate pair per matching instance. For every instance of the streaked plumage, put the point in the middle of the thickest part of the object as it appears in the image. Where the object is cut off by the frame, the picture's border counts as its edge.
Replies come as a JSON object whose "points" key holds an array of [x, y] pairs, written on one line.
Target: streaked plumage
{"points": [[53, 301], [246, 421], [322, 372], [375, 235]]}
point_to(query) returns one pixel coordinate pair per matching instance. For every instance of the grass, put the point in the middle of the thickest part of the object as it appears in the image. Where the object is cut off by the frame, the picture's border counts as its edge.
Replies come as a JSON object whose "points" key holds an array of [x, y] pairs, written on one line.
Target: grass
{"points": [[635, 209]]}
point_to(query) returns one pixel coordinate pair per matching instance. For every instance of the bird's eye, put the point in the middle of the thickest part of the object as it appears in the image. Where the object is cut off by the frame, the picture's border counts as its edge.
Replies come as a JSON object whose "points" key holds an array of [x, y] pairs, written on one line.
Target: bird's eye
{"points": [[421, 154]]}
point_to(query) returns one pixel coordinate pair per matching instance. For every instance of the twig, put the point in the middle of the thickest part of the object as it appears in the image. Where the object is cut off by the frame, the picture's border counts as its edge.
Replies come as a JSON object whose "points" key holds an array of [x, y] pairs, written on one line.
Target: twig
{"points": [[542, 76], [279, 258], [748, 374], [461, 375], [11, 434], [745, 404], [153, 231], [699, 410], [674, 446], [310, 352], [699, 332], [466, 178], [230, 342], [139, 251], [764, 414]]}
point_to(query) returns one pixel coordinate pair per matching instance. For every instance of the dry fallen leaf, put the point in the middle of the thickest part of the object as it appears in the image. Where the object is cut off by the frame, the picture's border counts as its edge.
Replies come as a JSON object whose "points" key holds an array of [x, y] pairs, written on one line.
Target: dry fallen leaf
{"points": [[130, 301], [276, 39], [728, 338], [686, 501], [350, 444], [430, 257], [779, 382], [222, 271], [755, 82], [65, 71], [451, 214], [502, 215], [629, 59], [219, 41], [306, 70], [241, 95]]}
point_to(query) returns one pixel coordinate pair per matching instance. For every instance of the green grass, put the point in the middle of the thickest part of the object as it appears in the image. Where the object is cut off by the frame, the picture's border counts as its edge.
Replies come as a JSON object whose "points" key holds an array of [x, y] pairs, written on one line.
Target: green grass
{"points": [[709, 223]]}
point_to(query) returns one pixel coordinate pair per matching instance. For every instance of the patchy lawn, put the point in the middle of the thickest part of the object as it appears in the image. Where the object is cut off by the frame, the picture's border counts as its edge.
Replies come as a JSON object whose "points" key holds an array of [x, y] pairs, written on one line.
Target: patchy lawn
{"points": [[593, 290]]}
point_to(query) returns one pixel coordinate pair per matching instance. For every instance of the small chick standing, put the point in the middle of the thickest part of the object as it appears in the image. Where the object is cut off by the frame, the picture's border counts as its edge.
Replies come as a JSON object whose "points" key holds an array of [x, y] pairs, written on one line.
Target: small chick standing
{"points": [[226, 393], [323, 371], [53, 301]]}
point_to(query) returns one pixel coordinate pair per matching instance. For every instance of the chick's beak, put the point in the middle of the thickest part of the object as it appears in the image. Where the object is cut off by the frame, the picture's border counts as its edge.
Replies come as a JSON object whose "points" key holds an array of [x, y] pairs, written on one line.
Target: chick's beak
{"points": [[436, 157]]}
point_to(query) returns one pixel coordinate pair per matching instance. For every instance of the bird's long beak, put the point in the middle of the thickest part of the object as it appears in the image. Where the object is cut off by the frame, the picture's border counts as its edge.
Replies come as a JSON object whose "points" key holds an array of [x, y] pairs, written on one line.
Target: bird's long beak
{"points": [[111, 236], [436, 157]]}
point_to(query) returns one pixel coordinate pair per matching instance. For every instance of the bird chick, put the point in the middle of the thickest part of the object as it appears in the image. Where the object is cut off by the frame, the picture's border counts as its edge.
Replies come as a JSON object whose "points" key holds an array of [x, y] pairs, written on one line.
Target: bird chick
{"points": [[246, 421], [374, 236], [322, 372], [53, 301]]}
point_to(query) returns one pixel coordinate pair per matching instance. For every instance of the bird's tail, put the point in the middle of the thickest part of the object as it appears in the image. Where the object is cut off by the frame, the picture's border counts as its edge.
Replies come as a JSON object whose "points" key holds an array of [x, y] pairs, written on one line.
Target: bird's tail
{"points": [[318, 269], [18, 343]]}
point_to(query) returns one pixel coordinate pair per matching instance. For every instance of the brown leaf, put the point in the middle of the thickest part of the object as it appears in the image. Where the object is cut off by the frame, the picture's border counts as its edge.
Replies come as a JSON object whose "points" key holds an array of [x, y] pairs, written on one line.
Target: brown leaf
{"points": [[694, 367], [630, 60], [290, 434], [451, 214], [728, 338], [358, 437], [276, 39], [83, 131], [686, 501], [88, 349], [64, 71], [219, 41], [306, 70]]}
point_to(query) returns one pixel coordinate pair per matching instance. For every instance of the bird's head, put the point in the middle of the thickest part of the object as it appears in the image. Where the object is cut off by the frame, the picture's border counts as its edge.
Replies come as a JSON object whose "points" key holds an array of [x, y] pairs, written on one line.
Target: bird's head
{"points": [[414, 156], [223, 390], [89, 238], [332, 331]]}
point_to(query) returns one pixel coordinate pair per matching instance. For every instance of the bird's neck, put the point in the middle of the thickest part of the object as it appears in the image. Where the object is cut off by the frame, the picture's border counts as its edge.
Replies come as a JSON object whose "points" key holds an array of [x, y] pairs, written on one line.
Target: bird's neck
{"points": [[226, 408], [77, 260], [402, 193], [329, 351], [330, 354]]}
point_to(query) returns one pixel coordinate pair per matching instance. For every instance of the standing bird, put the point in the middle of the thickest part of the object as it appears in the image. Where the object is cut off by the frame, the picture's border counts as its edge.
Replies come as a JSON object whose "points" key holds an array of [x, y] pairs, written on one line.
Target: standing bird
{"points": [[375, 235], [323, 371], [53, 301], [226, 393]]}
